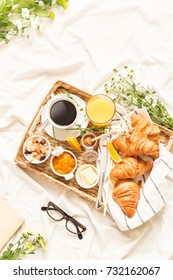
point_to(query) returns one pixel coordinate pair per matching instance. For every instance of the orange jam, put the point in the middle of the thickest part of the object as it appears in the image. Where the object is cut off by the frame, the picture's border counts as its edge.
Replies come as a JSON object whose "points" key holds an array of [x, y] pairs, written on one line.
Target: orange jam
{"points": [[64, 163]]}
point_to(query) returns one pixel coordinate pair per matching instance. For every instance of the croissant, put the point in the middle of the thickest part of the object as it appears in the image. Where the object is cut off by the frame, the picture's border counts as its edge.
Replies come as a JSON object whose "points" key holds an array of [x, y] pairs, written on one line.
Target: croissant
{"points": [[136, 143], [142, 124], [127, 194], [130, 167]]}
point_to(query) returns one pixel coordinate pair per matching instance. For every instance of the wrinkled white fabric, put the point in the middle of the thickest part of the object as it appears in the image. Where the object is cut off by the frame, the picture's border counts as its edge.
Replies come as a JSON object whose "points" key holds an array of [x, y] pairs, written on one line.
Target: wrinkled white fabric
{"points": [[81, 47]]}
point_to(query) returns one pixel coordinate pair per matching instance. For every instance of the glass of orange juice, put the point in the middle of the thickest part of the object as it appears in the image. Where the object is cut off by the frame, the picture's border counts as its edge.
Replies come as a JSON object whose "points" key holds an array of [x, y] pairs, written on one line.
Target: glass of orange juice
{"points": [[100, 110]]}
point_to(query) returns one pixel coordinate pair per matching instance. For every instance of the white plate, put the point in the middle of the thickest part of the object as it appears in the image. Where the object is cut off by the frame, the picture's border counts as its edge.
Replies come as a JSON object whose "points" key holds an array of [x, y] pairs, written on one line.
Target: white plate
{"points": [[62, 134]]}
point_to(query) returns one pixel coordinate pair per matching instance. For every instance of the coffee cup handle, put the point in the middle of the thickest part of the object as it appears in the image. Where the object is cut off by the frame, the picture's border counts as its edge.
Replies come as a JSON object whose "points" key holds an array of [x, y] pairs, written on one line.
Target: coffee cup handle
{"points": [[43, 125], [69, 176]]}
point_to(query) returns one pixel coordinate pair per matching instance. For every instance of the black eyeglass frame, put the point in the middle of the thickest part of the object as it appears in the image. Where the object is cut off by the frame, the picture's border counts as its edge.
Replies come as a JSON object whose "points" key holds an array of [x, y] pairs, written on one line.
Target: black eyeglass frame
{"points": [[79, 227]]}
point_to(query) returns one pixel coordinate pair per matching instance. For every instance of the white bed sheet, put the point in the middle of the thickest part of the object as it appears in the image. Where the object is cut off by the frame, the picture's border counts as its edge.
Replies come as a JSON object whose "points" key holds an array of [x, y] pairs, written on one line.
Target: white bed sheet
{"points": [[81, 47]]}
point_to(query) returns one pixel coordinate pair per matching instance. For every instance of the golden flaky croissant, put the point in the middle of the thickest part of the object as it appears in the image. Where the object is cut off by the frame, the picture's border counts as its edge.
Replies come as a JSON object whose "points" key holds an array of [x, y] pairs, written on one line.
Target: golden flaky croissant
{"points": [[136, 143], [141, 140], [130, 168], [144, 125], [127, 194]]}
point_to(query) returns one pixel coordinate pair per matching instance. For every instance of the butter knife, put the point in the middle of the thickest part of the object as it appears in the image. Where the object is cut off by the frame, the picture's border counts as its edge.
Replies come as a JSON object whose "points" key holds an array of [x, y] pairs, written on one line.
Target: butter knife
{"points": [[103, 154]]}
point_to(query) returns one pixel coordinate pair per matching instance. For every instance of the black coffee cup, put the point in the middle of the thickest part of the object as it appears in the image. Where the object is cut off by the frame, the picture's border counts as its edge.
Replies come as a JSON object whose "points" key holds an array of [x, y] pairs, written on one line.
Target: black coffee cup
{"points": [[62, 112]]}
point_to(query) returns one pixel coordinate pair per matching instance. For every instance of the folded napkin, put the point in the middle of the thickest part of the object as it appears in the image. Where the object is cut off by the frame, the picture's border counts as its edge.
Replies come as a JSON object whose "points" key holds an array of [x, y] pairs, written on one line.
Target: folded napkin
{"points": [[155, 191]]}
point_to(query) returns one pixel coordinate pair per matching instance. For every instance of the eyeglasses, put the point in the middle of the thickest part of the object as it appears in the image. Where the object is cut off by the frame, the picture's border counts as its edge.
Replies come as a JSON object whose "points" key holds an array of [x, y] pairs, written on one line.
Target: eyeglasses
{"points": [[57, 214]]}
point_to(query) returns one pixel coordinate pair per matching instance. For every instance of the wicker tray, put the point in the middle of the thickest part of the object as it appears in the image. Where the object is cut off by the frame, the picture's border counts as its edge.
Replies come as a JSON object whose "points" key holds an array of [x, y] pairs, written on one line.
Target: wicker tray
{"points": [[44, 169]]}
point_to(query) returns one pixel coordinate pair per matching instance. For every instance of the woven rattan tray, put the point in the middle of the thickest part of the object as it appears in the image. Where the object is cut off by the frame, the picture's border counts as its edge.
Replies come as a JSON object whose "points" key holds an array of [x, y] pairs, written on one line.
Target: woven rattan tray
{"points": [[44, 169]]}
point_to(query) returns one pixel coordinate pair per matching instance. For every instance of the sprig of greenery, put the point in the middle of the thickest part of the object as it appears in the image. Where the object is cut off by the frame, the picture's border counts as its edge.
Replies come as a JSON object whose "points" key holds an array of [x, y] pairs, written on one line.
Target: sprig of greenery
{"points": [[27, 244], [83, 130], [19, 17], [131, 95], [69, 95]]}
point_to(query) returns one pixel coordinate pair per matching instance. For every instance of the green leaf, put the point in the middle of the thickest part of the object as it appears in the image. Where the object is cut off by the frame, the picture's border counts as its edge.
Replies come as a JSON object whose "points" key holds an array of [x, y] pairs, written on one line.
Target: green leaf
{"points": [[62, 3], [10, 245], [26, 4], [2, 24], [29, 246], [51, 15], [42, 243], [47, 2], [40, 12]]}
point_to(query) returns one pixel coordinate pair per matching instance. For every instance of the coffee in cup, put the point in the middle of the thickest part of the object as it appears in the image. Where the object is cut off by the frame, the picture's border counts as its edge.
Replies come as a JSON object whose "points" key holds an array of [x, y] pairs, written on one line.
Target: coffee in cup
{"points": [[63, 113]]}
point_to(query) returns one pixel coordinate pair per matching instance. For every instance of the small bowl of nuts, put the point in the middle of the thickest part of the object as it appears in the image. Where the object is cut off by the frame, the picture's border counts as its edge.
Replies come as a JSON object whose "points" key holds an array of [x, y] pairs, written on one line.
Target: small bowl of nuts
{"points": [[36, 149]]}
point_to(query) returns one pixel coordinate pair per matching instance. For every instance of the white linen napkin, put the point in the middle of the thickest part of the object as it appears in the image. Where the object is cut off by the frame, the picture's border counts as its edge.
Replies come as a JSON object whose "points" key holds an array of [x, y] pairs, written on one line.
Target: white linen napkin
{"points": [[155, 191]]}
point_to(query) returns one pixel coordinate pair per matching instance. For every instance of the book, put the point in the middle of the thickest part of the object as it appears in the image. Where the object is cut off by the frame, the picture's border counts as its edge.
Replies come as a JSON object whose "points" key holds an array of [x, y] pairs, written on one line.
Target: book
{"points": [[10, 222]]}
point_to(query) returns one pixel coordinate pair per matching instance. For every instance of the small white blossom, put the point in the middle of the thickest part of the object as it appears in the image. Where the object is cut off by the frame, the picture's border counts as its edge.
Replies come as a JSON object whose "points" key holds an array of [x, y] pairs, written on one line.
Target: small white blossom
{"points": [[41, 3], [15, 6], [18, 23], [35, 22], [25, 13]]}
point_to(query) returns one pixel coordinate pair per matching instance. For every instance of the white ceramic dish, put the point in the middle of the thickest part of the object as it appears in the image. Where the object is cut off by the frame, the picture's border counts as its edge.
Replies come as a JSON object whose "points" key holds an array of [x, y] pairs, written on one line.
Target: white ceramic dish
{"points": [[79, 180], [62, 134], [29, 154], [67, 176]]}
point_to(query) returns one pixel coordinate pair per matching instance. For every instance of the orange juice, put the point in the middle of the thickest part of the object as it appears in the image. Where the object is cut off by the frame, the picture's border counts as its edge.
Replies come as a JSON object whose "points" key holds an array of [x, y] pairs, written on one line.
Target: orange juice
{"points": [[100, 110]]}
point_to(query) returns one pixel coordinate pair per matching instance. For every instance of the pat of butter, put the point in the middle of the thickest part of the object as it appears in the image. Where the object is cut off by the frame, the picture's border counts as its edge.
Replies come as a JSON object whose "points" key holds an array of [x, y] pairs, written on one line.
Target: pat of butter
{"points": [[88, 176]]}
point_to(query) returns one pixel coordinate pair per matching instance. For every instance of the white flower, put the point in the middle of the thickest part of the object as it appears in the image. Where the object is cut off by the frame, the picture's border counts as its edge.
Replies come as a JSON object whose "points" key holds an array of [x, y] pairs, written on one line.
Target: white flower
{"points": [[25, 13], [41, 3], [15, 6], [18, 23], [35, 22]]}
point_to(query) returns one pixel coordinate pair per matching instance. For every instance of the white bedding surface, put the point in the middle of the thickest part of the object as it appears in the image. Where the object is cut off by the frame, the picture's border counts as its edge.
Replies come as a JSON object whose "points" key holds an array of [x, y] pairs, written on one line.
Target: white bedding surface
{"points": [[81, 47]]}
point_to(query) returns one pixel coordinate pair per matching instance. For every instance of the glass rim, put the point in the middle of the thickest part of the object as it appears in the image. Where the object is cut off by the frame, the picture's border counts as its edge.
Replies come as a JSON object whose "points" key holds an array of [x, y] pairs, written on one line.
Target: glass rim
{"points": [[87, 134], [96, 95]]}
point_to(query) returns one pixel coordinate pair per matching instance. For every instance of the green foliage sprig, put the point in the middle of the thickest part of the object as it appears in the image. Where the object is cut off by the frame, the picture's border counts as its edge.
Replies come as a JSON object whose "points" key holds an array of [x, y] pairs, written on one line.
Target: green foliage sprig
{"points": [[19, 17], [131, 94], [27, 244], [83, 130]]}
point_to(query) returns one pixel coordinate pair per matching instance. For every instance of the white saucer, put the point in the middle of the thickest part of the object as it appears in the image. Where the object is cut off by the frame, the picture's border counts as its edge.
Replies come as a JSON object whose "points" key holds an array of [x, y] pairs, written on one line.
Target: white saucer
{"points": [[62, 134]]}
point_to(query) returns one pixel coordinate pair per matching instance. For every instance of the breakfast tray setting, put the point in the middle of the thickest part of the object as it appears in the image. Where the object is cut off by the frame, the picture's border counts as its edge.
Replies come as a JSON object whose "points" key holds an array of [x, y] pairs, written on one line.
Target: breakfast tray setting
{"points": [[43, 169]]}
